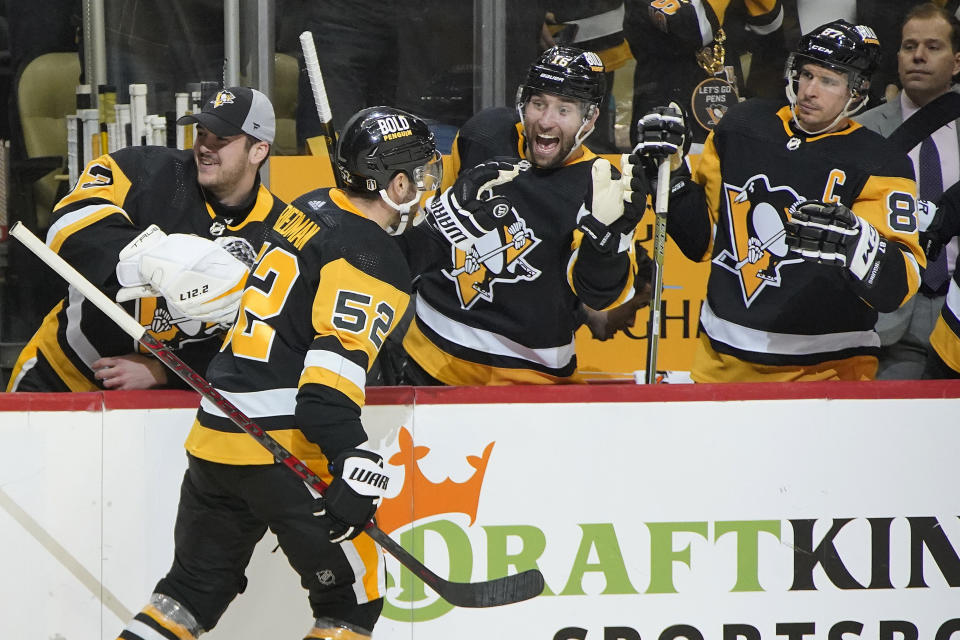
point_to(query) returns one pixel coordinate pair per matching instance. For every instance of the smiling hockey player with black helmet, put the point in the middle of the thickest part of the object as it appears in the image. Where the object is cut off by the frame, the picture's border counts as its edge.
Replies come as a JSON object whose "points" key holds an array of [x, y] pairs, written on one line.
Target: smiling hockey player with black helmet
{"points": [[328, 287], [809, 221], [502, 308]]}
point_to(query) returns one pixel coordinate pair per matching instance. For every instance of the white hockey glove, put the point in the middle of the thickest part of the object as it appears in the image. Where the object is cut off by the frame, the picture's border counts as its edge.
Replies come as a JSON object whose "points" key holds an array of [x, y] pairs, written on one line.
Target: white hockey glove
{"points": [[198, 278], [614, 204], [662, 133], [359, 483], [469, 210], [833, 234]]}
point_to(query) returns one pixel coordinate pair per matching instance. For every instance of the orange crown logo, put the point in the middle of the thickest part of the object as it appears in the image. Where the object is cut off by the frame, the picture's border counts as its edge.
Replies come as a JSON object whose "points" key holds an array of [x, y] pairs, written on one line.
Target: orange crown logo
{"points": [[421, 498]]}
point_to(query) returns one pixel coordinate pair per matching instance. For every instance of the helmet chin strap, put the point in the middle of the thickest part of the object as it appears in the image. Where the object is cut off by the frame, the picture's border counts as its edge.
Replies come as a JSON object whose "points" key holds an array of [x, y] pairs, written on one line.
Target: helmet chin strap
{"points": [[581, 135], [403, 209]]}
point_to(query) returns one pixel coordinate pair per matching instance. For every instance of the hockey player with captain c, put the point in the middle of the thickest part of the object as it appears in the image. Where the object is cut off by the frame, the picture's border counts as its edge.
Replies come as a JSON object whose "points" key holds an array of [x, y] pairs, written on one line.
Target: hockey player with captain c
{"points": [[798, 300]]}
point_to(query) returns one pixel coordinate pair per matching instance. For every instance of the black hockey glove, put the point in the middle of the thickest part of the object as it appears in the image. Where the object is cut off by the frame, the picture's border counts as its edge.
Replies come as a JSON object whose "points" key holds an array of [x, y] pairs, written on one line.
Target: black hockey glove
{"points": [[614, 204], [663, 133], [350, 501], [830, 233], [469, 210]]}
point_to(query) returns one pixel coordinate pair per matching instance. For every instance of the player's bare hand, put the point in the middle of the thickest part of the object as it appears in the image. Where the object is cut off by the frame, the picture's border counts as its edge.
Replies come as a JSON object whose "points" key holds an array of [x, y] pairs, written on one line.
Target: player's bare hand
{"points": [[130, 372]]}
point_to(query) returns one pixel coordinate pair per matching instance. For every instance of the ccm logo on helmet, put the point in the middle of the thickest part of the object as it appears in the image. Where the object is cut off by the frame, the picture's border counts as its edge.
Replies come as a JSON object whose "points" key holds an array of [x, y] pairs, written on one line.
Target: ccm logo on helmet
{"points": [[392, 127]]}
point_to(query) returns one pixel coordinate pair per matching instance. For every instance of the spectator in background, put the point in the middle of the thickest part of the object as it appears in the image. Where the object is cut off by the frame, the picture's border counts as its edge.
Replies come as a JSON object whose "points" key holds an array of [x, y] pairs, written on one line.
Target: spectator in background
{"points": [[928, 58], [790, 205], [112, 226], [680, 44], [594, 25]]}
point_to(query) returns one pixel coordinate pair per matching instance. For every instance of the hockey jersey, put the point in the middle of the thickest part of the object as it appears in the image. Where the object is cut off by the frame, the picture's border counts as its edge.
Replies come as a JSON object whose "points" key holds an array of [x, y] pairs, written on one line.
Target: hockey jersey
{"points": [[115, 198], [768, 314], [597, 26], [513, 319], [663, 28], [328, 287]]}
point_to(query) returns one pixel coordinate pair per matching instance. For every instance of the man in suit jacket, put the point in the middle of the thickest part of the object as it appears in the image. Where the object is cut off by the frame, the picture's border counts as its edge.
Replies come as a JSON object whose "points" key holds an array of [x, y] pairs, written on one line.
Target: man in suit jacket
{"points": [[928, 58]]}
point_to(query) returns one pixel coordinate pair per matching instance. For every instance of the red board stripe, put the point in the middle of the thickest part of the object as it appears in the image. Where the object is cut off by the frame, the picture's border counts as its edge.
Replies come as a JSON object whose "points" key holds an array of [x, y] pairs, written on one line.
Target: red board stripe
{"points": [[557, 394]]}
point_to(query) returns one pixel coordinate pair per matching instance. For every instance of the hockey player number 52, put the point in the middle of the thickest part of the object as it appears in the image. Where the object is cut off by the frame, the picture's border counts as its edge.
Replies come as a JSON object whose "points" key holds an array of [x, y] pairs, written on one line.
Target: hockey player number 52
{"points": [[352, 314], [250, 336]]}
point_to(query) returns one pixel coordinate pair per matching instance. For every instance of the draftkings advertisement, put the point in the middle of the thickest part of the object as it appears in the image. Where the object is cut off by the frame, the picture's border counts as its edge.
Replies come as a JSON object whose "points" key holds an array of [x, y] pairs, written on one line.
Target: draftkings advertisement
{"points": [[794, 519]]}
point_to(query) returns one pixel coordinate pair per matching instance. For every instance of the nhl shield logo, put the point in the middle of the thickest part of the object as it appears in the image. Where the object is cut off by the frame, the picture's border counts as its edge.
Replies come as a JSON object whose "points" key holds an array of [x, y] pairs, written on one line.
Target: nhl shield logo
{"points": [[757, 214]]}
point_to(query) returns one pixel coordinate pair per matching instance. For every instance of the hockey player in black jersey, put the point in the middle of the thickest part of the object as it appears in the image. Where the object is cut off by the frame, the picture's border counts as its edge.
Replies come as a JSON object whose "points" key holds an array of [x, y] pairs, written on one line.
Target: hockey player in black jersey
{"points": [[808, 218], [502, 309], [328, 287], [149, 226]]}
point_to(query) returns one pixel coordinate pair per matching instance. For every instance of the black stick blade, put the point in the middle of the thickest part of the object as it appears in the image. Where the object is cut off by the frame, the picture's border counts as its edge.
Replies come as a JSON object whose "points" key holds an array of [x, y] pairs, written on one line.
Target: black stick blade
{"points": [[492, 593]]}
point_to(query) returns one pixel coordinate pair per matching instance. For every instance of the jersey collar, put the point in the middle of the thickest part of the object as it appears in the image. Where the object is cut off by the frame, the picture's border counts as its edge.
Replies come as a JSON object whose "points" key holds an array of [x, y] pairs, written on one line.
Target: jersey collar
{"points": [[586, 156], [786, 118]]}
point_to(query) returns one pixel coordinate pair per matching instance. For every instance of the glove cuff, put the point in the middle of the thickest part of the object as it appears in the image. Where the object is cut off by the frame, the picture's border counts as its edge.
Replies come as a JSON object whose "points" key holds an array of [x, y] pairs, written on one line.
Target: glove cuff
{"points": [[362, 471], [444, 214], [603, 238], [128, 265]]}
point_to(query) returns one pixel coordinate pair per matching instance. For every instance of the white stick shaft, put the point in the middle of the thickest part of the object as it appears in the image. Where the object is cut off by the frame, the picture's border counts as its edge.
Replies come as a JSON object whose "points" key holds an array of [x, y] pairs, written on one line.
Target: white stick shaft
{"points": [[316, 78], [76, 280], [663, 187]]}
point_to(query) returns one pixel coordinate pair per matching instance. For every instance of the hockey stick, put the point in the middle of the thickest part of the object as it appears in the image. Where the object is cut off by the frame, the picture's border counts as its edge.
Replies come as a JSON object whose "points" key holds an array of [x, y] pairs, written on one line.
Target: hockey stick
{"points": [[656, 290], [491, 593], [312, 64]]}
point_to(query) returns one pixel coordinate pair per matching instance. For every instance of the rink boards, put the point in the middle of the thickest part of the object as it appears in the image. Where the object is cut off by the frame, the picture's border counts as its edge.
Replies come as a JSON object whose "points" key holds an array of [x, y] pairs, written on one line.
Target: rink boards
{"points": [[739, 511]]}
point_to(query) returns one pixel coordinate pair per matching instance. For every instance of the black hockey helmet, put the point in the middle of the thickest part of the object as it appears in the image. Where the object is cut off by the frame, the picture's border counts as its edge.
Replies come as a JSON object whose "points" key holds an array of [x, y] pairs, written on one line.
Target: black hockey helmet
{"points": [[566, 71], [379, 142], [842, 47]]}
